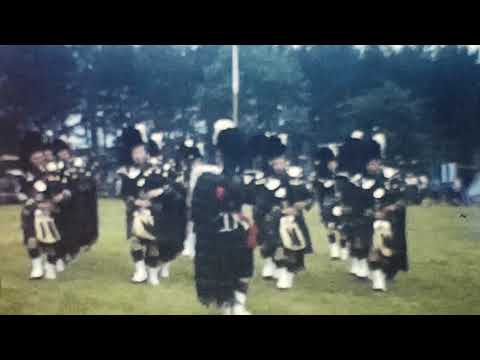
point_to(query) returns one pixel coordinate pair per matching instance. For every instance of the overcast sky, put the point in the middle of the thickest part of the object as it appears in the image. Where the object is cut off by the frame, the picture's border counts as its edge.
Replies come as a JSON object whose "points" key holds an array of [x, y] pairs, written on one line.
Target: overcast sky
{"points": [[399, 47]]}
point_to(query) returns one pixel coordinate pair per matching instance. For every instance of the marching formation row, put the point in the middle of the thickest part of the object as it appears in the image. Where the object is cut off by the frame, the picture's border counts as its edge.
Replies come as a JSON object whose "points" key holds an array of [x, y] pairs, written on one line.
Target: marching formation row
{"points": [[182, 205]]}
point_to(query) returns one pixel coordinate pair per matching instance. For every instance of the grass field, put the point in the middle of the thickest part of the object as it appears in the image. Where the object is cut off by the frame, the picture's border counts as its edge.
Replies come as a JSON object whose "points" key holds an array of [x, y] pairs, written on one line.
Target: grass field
{"points": [[444, 251]]}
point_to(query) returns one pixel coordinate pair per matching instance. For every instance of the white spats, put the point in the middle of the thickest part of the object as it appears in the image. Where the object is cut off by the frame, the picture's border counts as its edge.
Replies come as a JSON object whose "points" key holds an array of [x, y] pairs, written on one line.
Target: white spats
{"points": [[268, 269], [354, 266], [50, 272], [60, 266], [165, 271], [334, 251], [74, 258], [344, 254], [153, 276], [379, 281], [37, 269], [285, 279], [238, 309], [227, 310], [276, 273], [189, 244], [189, 247], [140, 274], [240, 303], [363, 270], [240, 297]]}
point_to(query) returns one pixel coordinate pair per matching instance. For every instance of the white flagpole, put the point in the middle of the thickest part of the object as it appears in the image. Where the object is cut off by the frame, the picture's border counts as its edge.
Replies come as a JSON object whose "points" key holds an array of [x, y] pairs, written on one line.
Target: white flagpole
{"points": [[235, 82]]}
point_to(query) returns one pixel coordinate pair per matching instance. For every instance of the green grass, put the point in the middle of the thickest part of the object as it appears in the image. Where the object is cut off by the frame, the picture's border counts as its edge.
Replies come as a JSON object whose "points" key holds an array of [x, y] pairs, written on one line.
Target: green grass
{"points": [[444, 278]]}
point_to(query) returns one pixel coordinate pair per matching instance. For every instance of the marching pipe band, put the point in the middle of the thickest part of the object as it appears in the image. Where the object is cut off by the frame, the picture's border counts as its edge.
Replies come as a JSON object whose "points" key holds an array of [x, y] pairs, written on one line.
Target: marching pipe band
{"points": [[178, 204]]}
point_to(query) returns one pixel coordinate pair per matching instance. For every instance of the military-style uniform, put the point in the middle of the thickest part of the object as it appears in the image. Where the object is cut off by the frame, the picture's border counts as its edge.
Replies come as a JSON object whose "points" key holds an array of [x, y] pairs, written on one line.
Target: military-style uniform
{"points": [[327, 198], [353, 223], [156, 233], [225, 237], [39, 187], [284, 239], [379, 227], [223, 256], [388, 253], [155, 208]]}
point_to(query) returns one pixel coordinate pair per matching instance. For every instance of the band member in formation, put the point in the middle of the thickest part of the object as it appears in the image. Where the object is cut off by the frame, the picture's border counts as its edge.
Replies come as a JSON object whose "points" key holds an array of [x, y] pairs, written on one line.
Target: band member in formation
{"points": [[281, 196], [373, 210], [156, 211], [78, 217], [225, 238], [353, 225], [255, 178], [324, 184], [191, 167], [42, 193], [385, 187]]}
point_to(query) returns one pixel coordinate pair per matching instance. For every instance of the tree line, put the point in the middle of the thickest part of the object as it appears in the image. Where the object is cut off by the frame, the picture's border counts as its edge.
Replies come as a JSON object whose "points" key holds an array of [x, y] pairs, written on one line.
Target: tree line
{"points": [[426, 97]]}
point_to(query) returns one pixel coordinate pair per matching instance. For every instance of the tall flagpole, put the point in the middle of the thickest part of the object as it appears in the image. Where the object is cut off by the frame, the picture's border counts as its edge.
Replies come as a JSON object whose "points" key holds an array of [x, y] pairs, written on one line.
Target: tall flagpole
{"points": [[235, 82]]}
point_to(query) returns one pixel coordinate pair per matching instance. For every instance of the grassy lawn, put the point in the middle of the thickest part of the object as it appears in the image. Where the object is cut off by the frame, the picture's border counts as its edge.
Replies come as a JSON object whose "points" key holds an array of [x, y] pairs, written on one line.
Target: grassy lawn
{"points": [[444, 253]]}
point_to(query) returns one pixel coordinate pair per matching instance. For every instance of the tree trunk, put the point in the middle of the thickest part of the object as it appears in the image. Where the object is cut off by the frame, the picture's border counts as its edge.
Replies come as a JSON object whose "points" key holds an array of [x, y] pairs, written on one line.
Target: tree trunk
{"points": [[104, 132], [93, 133]]}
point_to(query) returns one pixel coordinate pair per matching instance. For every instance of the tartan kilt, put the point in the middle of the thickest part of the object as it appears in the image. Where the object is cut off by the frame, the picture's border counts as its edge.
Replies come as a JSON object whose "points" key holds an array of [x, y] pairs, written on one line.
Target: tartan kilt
{"points": [[221, 260]]}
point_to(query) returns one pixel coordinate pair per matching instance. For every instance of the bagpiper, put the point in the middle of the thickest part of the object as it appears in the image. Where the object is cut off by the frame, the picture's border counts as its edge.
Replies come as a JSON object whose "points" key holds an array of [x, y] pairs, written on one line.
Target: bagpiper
{"points": [[386, 188], [156, 213], [78, 218], [354, 225], [279, 204], [225, 237], [42, 192], [324, 184]]}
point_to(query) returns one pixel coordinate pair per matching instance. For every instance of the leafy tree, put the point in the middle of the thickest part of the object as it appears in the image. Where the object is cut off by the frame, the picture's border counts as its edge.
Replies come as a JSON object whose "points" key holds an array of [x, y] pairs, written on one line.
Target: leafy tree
{"points": [[394, 109]]}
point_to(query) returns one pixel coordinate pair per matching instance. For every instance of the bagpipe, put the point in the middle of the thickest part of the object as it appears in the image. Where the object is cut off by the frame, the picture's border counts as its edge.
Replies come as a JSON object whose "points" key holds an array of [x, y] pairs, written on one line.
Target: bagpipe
{"points": [[159, 191], [385, 198], [291, 235], [46, 231], [284, 229], [143, 225], [382, 232], [45, 190]]}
